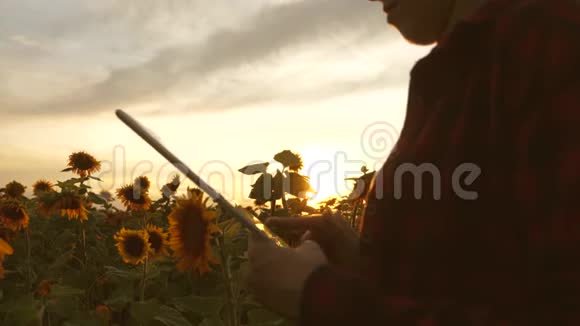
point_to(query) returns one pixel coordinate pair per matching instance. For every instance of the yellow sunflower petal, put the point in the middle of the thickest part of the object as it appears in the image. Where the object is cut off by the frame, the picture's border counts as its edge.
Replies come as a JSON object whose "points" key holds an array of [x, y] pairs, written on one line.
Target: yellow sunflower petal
{"points": [[134, 198], [41, 186], [133, 245], [190, 227], [5, 248], [13, 214], [72, 206], [83, 164], [158, 241]]}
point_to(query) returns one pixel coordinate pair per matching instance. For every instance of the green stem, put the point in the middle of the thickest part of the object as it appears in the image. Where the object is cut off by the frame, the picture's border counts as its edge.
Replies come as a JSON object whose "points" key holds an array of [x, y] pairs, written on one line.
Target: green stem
{"points": [[48, 318], [232, 311], [145, 264], [284, 202], [28, 260], [143, 280], [273, 207], [284, 183], [84, 262], [142, 219], [84, 243], [354, 213]]}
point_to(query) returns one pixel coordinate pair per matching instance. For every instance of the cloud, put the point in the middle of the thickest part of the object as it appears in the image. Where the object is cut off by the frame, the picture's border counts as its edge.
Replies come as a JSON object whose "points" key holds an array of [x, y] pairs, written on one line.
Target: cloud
{"points": [[238, 64]]}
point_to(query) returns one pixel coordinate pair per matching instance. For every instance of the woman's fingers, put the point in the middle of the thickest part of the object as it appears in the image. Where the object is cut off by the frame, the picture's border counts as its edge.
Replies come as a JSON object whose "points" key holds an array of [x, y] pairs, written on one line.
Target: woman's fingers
{"points": [[257, 243], [294, 223], [307, 236], [330, 230]]}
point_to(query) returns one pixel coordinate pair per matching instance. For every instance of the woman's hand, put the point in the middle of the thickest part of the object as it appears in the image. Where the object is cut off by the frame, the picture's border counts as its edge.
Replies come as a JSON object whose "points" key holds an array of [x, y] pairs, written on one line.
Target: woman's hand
{"points": [[338, 240], [277, 275]]}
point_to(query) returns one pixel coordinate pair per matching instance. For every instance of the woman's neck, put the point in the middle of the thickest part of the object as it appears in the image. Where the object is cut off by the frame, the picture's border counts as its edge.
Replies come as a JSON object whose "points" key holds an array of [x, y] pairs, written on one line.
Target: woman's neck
{"points": [[461, 10]]}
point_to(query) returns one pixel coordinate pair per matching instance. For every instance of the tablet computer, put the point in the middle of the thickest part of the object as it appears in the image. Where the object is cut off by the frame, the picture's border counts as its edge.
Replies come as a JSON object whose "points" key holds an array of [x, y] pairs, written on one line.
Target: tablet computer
{"points": [[244, 217]]}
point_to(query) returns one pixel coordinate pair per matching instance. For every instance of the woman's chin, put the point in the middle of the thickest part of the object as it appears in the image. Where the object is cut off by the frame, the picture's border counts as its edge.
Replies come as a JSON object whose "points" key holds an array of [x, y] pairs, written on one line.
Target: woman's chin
{"points": [[418, 37]]}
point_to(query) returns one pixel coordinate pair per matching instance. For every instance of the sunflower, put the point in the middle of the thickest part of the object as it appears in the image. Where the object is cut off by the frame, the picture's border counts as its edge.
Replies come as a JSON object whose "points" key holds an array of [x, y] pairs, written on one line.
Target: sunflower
{"points": [[133, 245], [133, 198], [174, 184], [170, 188], [103, 312], [107, 196], [191, 228], [47, 201], [72, 206], [13, 214], [194, 192], [289, 159], [43, 289], [157, 240], [14, 190], [41, 186], [83, 164], [5, 249], [142, 183]]}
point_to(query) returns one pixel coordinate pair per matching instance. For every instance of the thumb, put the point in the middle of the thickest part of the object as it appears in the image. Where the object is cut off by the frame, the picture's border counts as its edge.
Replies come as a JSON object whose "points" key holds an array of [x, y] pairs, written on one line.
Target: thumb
{"points": [[311, 251], [258, 242], [309, 245], [306, 236], [327, 212]]}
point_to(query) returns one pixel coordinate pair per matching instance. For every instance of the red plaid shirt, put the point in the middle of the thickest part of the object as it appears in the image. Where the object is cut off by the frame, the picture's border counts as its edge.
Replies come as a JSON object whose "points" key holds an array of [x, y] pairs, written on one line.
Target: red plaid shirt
{"points": [[502, 91]]}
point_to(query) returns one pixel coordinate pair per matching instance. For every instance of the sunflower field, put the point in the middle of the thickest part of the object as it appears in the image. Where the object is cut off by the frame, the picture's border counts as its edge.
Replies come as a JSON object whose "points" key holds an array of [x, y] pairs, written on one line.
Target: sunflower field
{"points": [[72, 256]]}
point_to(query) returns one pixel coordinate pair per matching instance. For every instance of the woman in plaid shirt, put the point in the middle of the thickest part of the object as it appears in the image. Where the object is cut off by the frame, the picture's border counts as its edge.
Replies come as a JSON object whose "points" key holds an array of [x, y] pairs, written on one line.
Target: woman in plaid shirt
{"points": [[500, 91]]}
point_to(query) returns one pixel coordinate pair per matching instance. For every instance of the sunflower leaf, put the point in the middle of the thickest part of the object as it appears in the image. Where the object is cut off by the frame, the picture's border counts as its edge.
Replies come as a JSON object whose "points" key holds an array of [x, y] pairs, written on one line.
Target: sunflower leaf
{"points": [[153, 272], [268, 187], [59, 291], [94, 198], [361, 187], [171, 317], [145, 312], [232, 230], [225, 224], [20, 311], [255, 168], [203, 306], [63, 307], [111, 271], [121, 296], [263, 317], [95, 178], [212, 321], [299, 185]]}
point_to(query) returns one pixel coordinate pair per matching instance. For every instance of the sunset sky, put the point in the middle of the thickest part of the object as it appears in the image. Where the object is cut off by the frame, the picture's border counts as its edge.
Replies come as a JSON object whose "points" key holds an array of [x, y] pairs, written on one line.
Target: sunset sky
{"points": [[223, 83]]}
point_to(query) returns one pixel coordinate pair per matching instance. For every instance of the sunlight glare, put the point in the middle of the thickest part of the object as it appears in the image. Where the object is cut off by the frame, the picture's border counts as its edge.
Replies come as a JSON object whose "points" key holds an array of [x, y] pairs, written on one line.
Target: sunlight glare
{"points": [[320, 167]]}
